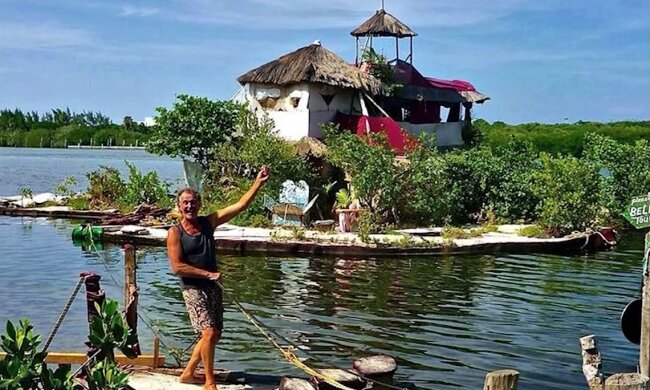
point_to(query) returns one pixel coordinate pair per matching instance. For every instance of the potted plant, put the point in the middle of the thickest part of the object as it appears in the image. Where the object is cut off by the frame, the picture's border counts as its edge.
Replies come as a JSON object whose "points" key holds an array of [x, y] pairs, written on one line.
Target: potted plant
{"points": [[347, 210]]}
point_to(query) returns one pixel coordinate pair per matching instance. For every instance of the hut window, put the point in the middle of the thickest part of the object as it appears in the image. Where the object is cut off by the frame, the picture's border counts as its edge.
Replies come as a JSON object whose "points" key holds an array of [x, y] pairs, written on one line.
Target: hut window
{"points": [[267, 97], [327, 93], [295, 97]]}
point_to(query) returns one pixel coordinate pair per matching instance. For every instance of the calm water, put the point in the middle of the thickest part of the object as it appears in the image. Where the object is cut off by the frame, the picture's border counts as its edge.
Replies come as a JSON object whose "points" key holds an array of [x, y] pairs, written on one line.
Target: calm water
{"points": [[447, 320], [41, 170]]}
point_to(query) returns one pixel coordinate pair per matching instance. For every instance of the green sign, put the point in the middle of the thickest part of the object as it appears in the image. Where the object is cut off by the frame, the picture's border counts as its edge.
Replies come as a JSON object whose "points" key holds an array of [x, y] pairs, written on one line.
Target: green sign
{"points": [[638, 213]]}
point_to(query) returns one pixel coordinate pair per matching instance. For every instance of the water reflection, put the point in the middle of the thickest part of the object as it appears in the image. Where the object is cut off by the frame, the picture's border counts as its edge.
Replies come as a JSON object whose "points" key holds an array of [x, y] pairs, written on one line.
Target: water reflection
{"points": [[447, 320]]}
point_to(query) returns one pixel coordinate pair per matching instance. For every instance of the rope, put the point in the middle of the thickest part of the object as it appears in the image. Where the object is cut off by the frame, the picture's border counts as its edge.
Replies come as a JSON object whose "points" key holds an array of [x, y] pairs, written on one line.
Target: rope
{"points": [[291, 357], [66, 308], [288, 353], [588, 237]]}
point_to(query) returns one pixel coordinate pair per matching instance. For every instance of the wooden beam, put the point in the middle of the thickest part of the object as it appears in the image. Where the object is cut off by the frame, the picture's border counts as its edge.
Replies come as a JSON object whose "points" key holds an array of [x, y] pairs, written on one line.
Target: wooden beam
{"points": [[644, 350], [80, 358], [130, 282]]}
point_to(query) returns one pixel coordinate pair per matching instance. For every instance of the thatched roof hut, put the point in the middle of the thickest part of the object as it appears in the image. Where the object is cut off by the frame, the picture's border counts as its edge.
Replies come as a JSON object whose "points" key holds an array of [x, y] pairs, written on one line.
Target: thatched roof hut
{"points": [[312, 64], [383, 24], [310, 146]]}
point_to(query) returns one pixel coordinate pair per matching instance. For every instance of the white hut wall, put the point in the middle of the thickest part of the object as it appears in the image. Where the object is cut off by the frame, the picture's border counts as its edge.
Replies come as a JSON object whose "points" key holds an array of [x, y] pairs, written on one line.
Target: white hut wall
{"points": [[285, 105], [447, 133], [325, 101]]}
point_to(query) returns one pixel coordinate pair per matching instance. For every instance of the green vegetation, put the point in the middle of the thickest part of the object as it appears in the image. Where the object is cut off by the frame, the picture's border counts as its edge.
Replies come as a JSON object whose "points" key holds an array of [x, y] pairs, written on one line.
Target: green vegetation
{"points": [[564, 138], [563, 177], [230, 143], [194, 127], [60, 128], [107, 189], [511, 183], [533, 231], [24, 367]]}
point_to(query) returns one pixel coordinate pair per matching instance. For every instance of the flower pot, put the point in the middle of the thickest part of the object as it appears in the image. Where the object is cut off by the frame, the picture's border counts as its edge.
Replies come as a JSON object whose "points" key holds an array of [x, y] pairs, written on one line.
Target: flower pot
{"points": [[347, 219]]}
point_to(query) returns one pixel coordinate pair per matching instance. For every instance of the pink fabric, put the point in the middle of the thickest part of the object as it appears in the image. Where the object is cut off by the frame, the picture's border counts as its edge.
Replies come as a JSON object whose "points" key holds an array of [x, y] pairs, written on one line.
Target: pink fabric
{"points": [[406, 74], [458, 85], [398, 139]]}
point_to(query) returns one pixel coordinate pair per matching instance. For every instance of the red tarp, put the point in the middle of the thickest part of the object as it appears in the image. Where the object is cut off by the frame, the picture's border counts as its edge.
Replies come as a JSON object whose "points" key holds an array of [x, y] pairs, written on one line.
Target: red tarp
{"points": [[406, 74], [398, 139], [458, 85]]}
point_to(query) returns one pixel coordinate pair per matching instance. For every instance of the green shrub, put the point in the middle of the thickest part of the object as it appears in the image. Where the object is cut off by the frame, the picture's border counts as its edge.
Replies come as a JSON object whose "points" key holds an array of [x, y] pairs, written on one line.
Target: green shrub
{"points": [[108, 331], [107, 375], [569, 193], [509, 175], [144, 188], [370, 163], [423, 198], [535, 231], [105, 186], [107, 189], [24, 367], [625, 168], [450, 233], [64, 187]]}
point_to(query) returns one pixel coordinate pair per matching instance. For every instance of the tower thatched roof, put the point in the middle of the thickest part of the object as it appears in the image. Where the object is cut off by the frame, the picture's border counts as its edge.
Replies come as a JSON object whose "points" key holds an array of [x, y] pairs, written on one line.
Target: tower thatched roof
{"points": [[312, 64], [383, 24]]}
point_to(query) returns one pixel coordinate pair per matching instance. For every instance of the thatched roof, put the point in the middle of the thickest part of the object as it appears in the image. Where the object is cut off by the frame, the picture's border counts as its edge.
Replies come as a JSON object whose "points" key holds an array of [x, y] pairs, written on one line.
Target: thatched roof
{"points": [[312, 64], [310, 146], [383, 24]]}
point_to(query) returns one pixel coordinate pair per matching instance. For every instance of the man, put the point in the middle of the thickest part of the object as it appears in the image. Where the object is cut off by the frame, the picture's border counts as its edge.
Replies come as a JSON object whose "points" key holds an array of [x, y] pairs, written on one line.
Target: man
{"points": [[191, 252]]}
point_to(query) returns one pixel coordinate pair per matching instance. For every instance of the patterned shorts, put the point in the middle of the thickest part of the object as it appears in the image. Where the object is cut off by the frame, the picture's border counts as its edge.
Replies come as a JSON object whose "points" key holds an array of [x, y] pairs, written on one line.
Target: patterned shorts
{"points": [[205, 307]]}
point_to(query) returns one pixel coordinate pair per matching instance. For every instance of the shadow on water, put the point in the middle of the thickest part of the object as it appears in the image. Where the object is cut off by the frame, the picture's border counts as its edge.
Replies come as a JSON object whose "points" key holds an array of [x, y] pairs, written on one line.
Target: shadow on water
{"points": [[447, 320]]}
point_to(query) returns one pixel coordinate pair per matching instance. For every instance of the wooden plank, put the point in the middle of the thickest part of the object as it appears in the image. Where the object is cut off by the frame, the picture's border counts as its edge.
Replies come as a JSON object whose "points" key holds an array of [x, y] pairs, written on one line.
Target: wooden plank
{"points": [[644, 350], [80, 358]]}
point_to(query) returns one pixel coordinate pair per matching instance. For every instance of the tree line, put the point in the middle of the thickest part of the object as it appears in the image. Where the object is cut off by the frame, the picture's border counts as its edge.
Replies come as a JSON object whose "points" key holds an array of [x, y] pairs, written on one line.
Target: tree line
{"points": [[59, 128], [559, 138]]}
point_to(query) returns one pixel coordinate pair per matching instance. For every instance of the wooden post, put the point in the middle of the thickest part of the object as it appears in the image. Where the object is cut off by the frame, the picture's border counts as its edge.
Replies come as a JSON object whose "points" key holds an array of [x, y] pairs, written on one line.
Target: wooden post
{"points": [[501, 380], [156, 351], [632, 381], [644, 350], [131, 295], [129, 273], [592, 362]]}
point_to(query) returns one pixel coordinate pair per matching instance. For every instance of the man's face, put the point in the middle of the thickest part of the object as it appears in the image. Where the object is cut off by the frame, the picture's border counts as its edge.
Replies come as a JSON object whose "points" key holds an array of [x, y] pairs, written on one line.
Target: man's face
{"points": [[189, 204]]}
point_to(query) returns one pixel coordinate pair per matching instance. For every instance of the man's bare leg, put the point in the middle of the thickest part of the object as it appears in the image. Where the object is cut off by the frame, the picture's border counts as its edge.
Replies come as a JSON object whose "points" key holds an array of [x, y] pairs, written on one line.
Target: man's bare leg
{"points": [[188, 375], [210, 336]]}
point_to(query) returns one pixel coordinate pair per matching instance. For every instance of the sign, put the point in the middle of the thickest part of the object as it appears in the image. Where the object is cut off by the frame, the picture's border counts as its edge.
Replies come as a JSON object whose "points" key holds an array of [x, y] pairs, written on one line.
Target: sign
{"points": [[638, 213]]}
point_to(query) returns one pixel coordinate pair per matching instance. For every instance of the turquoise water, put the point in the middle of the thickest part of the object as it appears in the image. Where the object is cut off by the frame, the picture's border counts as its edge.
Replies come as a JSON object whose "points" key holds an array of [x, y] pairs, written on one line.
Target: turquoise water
{"points": [[447, 320]]}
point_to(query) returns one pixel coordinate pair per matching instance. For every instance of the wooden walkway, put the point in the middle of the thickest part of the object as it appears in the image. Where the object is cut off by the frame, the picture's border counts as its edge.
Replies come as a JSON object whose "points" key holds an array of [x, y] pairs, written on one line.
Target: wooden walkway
{"points": [[158, 381]]}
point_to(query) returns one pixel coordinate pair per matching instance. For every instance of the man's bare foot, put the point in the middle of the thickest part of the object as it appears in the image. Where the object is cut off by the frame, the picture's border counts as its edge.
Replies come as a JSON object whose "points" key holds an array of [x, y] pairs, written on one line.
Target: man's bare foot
{"points": [[210, 386], [193, 379]]}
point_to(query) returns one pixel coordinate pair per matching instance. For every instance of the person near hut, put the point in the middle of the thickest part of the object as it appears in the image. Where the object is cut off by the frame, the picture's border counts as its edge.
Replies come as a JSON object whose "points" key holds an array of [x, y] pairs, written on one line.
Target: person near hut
{"points": [[191, 252]]}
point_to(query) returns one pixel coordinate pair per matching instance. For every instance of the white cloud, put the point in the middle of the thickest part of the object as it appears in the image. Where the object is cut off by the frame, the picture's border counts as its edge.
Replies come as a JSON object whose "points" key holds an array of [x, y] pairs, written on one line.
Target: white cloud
{"points": [[128, 10], [40, 36], [318, 14]]}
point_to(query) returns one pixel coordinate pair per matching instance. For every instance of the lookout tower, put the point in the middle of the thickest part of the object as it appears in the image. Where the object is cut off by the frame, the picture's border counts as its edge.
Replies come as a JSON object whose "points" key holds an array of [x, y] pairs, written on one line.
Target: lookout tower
{"points": [[383, 24]]}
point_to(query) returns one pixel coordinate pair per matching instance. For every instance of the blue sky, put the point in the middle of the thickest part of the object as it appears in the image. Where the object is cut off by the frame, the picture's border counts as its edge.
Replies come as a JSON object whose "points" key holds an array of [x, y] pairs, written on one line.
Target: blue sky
{"points": [[540, 61]]}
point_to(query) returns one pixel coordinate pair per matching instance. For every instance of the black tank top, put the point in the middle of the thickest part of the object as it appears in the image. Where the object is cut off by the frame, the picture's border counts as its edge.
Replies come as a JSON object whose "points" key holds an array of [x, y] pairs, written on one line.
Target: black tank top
{"points": [[198, 251]]}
